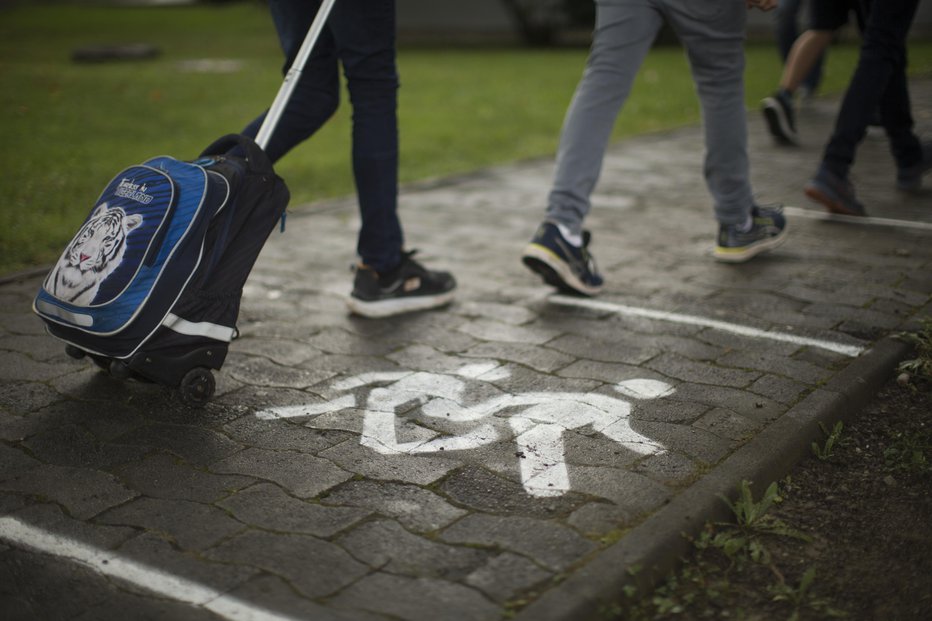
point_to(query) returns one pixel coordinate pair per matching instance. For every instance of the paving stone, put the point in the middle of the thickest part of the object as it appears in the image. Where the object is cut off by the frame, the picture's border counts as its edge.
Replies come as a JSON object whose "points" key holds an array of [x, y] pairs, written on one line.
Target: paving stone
{"points": [[701, 373], [165, 476], [488, 330], [191, 525], [754, 407], [669, 468], [284, 434], [51, 519], [266, 506], [263, 372], [144, 607], [550, 544], [15, 366], [24, 397], [84, 492], [71, 445], [194, 444], [386, 546], [694, 348], [104, 423], [36, 347], [21, 322], [780, 389], [476, 488], [33, 586], [417, 469], [520, 379], [285, 352], [607, 349], [153, 551], [689, 440], [335, 341], [853, 315], [533, 356], [87, 382], [278, 597], [735, 342], [314, 567], [505, 575], [504, 313], [631, 491], [662, 410], [14, 462], [424, 358], [726, 424], [415, 508], [608, 371], [303, 475], [798, 370], [596, 519], [417, 599], [442, 336], [10, 502]]}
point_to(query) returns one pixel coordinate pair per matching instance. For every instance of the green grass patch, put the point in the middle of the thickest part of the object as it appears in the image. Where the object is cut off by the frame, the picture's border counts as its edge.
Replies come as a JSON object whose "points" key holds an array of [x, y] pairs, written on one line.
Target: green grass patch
{"points": [[70, 127]]}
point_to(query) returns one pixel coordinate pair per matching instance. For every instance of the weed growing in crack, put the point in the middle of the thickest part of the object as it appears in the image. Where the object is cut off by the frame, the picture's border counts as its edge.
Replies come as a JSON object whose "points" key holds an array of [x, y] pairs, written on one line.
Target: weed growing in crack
{"points": [[827, 451], [801, 597], [921, 365]]}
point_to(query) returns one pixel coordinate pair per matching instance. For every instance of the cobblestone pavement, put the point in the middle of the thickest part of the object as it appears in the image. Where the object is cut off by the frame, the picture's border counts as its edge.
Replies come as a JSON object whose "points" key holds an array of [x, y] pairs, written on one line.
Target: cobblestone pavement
{"points": [[513, 455]]}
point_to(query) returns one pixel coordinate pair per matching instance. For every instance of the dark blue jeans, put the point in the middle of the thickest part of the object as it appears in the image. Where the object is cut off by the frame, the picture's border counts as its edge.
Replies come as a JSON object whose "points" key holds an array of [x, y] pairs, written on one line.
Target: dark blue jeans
{"points": [[360, 36], [879, 82]]}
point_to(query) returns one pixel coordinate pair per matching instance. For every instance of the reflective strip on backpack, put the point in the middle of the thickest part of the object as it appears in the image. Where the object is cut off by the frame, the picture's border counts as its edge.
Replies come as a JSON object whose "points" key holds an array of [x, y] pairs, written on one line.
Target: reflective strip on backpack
{"points": [[77, 319], [202, 328]]}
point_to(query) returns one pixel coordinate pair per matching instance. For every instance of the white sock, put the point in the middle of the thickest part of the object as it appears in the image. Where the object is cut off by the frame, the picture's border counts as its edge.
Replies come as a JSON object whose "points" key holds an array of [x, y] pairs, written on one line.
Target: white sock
{"points": [[575, 240], [744, 228]]}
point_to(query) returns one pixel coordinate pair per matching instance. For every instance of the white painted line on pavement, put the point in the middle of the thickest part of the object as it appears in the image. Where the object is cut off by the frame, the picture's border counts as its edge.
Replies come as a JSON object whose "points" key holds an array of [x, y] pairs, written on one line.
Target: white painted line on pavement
{"points": [[834, 217], [149, 578], [692, 320]]}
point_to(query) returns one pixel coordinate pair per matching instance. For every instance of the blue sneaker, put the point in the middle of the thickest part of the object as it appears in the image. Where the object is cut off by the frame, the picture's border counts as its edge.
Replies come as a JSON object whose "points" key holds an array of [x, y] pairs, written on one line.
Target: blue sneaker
{"points": [[569, 268], [909, 179], [834, 193], [768, 230]]}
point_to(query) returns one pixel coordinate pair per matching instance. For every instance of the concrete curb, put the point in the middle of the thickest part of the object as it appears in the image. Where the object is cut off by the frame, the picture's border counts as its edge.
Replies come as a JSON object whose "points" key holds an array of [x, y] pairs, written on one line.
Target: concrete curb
{"points": [[657, 545]]}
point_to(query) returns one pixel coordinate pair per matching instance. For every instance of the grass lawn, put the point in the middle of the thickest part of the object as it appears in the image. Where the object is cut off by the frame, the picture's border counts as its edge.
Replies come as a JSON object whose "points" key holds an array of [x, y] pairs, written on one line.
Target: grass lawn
{"points": [[69, 127]]}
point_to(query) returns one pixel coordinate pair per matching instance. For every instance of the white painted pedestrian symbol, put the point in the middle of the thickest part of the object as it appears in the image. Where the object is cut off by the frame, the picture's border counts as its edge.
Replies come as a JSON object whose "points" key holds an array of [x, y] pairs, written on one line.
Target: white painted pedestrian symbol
{"points": [[536, 420]]}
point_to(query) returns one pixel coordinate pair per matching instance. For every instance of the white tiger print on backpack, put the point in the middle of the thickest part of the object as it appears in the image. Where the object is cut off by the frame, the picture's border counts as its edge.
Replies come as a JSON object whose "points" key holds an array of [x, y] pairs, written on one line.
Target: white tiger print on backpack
{"points": [[94, 253]]}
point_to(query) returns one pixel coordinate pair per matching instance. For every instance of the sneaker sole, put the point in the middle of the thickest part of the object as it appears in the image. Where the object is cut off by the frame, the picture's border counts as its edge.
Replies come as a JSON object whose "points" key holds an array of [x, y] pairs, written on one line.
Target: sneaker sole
{"points": [[397, 306], [778, 125], [829, 202], [555, 271], [740, 255]]}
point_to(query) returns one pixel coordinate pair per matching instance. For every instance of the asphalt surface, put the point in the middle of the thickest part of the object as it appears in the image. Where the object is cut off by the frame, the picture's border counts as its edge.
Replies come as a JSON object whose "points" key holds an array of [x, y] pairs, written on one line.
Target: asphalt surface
{"points": [[515, 455]]}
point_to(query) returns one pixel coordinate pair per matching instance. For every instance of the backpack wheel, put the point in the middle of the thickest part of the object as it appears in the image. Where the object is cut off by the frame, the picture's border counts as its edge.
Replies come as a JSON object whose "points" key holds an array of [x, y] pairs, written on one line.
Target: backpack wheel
{"points": [[119, 370], [197, 386], [74, 352]]}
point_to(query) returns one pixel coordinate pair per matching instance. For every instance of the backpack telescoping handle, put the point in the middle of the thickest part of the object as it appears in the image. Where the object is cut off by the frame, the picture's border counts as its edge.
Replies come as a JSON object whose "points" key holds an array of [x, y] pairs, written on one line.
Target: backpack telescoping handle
{"points": [[293, 75]]}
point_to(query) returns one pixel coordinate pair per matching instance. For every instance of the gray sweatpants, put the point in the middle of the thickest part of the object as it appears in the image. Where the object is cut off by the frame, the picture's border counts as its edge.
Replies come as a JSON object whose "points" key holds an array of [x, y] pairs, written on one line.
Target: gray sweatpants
{"points": [[712, 31]]}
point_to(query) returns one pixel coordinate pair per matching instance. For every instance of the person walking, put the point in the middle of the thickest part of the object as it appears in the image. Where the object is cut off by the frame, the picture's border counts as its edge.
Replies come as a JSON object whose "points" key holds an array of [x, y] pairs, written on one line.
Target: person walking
{"points": [[360, 36], [828, 17], [786, 31], [713, 32], [879, 83]]}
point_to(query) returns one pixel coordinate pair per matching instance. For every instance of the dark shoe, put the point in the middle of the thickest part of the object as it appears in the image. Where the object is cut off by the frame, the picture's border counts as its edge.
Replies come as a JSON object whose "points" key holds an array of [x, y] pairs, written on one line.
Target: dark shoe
{"points": [[835, 193], [909, 179], [780, 117], [768, 230], [569, 268], [407, 288]]}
